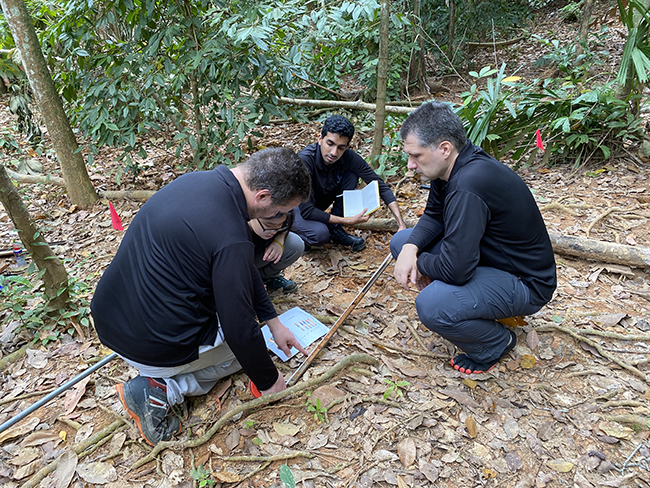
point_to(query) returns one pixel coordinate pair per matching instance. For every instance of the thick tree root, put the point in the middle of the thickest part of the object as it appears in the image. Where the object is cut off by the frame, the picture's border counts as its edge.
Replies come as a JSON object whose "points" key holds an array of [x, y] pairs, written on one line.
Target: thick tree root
{"points": [[574, 333], [258, 402]]}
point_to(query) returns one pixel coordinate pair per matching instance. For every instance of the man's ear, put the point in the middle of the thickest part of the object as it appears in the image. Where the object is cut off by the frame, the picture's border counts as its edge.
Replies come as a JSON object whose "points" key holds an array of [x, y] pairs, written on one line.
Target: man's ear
{"points": [[446, 147], [263, 198]]}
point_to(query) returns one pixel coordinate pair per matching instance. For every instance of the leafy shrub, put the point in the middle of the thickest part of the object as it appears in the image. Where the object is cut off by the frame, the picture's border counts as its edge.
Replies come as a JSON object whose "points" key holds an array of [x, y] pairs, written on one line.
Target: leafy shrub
{"points": [[576, 123]]}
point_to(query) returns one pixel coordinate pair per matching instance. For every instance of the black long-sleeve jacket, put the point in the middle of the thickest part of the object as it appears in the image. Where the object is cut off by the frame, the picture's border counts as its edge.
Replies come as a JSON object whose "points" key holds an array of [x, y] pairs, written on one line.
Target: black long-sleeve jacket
{"points": [[486, 216], [185, 269], [326, 181]]}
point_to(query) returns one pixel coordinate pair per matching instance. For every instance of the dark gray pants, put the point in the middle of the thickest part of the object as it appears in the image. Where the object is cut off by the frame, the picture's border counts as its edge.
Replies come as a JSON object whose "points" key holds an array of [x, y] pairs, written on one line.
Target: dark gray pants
{"points": [[467, 315]]}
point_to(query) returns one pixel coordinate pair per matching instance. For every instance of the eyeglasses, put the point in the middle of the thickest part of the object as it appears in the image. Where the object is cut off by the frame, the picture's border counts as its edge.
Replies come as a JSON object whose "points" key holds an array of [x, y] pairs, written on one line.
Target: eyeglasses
{"points": [[284, 226]]}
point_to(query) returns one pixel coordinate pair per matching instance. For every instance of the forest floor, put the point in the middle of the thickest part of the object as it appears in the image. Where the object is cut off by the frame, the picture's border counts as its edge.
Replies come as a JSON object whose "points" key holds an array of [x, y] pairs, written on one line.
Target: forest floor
{"points": [[569, 406]]}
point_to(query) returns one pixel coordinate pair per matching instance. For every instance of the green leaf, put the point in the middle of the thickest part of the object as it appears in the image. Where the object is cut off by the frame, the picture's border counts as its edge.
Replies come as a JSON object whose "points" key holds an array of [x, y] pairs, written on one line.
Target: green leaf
{"points": [[286, 476]]}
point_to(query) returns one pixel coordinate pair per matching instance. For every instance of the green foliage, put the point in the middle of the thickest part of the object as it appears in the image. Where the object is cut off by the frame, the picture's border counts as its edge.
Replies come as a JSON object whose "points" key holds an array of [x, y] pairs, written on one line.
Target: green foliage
{"points": [[476, 21], [577, 123], [320, 412], [286, 476], [206, 72], [393, 160], [635, 61], [394, 387], [201, 476], [24, 300], [571, 12]]}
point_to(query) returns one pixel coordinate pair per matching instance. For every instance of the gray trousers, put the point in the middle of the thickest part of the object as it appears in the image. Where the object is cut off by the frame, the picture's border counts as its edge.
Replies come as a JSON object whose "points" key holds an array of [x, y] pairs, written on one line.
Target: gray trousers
{"points": [[217, 361], [195, 378], [467, 315]]}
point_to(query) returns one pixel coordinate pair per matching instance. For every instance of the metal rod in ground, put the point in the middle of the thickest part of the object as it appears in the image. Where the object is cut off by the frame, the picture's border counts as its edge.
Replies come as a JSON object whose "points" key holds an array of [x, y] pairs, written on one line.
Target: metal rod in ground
{"points": [[57, 392], [303, 367]]}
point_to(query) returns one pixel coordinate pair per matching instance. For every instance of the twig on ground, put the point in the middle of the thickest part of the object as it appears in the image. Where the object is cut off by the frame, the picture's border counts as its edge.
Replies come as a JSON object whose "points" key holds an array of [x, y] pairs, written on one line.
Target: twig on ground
{"points": [[277, 457], [362, 469], [393, 347], [253, 473], [625, 464], [574, 333], [258, 402], [416, 336], [26, 395]]}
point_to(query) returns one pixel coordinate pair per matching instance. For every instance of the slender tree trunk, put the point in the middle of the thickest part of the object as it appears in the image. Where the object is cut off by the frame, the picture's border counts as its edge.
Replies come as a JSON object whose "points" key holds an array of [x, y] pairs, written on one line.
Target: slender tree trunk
{"points": [[417, 66], [80, 188], [55, 276], [452, 25], [584, 26], [382, 81]]}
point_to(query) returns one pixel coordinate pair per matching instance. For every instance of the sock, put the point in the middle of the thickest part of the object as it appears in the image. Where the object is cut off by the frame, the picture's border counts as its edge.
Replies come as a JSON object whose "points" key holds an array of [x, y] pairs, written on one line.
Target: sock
{"points": [[466, 365]]}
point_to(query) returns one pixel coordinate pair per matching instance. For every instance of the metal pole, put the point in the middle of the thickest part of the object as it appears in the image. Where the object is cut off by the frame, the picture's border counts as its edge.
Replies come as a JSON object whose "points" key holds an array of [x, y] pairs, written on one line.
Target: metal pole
{"points": [[57, 392], [303, 367]]}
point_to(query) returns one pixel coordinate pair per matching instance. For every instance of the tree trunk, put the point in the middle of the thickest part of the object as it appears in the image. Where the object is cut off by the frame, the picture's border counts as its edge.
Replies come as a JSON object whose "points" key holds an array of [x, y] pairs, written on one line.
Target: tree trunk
{"points": [[579, 247], [417, 66], [382, 82], [80, 188], [452, 26], [55, 276], [584, 26]]}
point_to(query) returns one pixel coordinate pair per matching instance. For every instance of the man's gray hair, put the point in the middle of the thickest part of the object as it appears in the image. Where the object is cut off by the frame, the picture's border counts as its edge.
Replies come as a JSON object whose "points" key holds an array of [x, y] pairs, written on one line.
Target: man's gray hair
{"points": [[279, 170], [433, 123]]}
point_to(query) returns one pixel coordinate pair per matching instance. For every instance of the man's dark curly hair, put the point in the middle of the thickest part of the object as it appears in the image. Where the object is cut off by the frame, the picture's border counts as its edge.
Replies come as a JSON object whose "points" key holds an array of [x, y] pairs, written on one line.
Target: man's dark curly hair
{"points": [[279, 170], [337, 124]]}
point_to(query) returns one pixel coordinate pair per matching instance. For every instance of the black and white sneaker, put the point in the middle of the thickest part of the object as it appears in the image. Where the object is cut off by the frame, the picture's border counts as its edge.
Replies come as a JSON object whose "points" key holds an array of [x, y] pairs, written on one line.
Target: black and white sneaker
{"points": [[145, 400]]}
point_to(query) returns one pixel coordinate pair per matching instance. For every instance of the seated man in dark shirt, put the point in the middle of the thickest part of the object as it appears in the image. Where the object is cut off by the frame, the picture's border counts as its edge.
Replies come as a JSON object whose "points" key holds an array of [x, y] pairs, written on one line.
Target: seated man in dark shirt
{"points": [[335, 167], [181, 299], [276, 248], [480, 252]]}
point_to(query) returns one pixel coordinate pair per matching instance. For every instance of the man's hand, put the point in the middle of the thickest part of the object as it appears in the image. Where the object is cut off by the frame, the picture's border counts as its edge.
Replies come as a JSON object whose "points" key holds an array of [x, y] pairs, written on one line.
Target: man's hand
{"points": [[273, 252], [406, 267], [358, 218], [284, 338], [279, 385]]}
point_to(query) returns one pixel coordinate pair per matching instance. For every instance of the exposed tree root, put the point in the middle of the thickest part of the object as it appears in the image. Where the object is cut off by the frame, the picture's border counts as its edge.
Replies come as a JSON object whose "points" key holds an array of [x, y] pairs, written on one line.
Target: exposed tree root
{"points": [[80, 449], [606, 213], [13, 357], [574, 333], [258, 402]]}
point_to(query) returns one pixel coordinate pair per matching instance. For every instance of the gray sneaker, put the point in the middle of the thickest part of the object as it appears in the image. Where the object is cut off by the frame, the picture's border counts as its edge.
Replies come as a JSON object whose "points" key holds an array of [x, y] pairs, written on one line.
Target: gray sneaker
{"points": [[145, 400]]}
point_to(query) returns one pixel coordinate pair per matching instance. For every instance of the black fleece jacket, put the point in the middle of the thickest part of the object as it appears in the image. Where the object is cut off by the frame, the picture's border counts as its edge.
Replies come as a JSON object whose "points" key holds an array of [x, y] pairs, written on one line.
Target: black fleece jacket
{"points": [[486, 216], [185, 269], [326, 181]]}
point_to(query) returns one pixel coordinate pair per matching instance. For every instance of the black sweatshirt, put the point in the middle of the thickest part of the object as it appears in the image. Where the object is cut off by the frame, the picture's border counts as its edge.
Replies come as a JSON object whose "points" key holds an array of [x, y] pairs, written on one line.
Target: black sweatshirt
{"points": [[184, 269], [486, 216], [326, 181]]}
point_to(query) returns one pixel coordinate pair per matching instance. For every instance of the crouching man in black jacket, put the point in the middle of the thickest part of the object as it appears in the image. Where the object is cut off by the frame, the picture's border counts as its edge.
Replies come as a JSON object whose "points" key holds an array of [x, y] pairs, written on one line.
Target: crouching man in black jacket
{"points": [[480, 252], [181, 299]]}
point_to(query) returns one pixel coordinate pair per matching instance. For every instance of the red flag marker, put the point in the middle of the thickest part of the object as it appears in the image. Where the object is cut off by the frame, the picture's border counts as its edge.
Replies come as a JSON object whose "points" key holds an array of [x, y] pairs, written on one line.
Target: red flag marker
{"points": [[540, 144], [115, 219]]}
